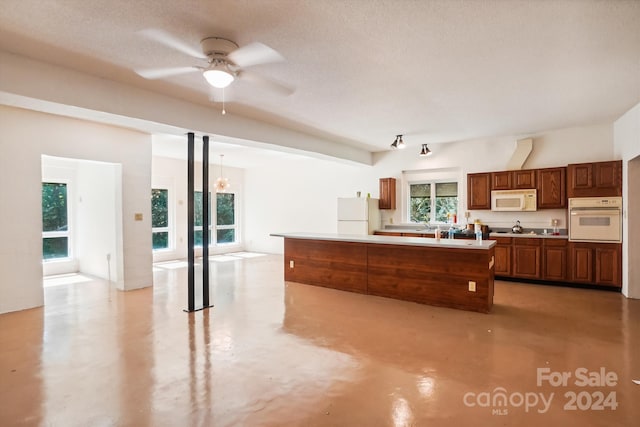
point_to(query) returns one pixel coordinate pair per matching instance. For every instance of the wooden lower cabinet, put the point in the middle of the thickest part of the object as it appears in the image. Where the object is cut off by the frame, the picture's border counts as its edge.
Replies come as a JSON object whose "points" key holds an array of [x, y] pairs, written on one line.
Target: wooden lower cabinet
{"points": [[608, 263], [596, 263], [554, 260], [526, 257], [503, 256]]}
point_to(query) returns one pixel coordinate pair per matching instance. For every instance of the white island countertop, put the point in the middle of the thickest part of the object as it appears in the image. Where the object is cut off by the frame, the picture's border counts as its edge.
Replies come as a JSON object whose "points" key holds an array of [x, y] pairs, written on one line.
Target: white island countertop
{"points": [[392, 240]]}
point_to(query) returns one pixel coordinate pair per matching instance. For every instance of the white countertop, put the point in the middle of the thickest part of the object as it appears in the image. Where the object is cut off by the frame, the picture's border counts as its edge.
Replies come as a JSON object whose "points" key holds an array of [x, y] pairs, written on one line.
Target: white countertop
{"points": [[534, 236], [392, 240]]}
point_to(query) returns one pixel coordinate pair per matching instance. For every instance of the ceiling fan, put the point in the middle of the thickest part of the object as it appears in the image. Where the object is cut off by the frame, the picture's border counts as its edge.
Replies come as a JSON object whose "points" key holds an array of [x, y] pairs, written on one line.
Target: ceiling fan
{"points": [[225, 61]]}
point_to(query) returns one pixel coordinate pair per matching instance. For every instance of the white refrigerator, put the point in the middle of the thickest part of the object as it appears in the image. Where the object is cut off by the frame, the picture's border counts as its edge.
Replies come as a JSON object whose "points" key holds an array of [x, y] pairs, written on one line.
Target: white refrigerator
{"points": [[358, 215]]}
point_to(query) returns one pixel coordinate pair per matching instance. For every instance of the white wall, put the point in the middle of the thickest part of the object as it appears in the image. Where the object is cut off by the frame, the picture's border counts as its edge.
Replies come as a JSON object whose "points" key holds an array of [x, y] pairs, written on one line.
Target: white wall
{"points": [[24, 137], [626, 132], [172, 174], [300, 195], [98, 224]]}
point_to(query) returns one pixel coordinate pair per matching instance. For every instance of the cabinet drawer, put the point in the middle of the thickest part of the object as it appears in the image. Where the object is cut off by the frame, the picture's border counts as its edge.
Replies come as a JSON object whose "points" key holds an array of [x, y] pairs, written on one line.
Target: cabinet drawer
{"points": [[524, 241], [556, 242], [502, 240]]}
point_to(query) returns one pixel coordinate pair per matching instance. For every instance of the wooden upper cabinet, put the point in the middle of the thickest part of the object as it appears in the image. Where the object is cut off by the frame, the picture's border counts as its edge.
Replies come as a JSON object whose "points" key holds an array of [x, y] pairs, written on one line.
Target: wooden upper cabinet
{"points": [[479, 191], [523, 179], [551, 185], [608, 176], [510, 180], [601, 179], [501, 180], [387, 193]]}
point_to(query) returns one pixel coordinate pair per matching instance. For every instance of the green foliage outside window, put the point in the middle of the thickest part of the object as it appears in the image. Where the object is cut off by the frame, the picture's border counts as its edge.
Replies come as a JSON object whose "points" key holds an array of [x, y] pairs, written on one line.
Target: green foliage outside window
{"points": [[160, 217], [440, 198], [54, 219], [54, 206], [225, 209]]}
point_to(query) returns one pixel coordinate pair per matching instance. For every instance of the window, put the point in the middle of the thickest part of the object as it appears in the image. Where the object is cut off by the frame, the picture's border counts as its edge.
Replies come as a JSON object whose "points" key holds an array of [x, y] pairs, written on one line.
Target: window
{"points": [[160, 218], [197, 235], [225, 218], [432, 201], [55, 226]]}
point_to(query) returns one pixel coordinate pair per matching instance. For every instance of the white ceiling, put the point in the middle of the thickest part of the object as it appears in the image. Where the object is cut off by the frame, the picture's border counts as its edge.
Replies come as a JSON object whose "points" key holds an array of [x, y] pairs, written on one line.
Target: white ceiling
{"points": [[366, 70]]}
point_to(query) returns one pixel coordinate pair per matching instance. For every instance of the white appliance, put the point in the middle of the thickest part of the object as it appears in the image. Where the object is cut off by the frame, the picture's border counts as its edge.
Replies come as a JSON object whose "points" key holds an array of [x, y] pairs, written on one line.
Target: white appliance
{"points": [[358, 215], [514, 200], [595, 219]]}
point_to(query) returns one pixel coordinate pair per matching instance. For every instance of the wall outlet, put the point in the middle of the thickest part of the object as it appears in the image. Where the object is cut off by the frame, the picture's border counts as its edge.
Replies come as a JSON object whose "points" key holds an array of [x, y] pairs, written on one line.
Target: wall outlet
{"points": [[291, 264], [472, 286]]}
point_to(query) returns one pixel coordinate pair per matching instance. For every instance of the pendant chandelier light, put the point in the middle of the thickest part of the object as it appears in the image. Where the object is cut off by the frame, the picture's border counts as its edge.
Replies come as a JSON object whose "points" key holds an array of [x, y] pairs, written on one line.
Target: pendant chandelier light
{"points": [[425, 151], [398, 143], [222, 183]]}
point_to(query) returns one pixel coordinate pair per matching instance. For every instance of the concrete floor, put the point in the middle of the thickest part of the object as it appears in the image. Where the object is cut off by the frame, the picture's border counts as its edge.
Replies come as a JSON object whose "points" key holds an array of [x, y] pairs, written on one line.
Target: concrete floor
{"points": [[276, 354]]}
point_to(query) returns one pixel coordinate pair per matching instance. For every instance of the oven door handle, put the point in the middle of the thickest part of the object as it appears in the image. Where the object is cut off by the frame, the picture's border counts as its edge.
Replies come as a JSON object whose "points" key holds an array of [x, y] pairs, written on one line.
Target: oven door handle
{"points": [[585, 212]]}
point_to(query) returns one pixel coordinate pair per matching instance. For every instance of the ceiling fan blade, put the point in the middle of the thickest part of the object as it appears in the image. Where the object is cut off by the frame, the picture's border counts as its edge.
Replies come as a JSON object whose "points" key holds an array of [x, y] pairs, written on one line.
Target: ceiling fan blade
{"points": [[266, 83], [159, 73], [171, 41], [254, 54]]}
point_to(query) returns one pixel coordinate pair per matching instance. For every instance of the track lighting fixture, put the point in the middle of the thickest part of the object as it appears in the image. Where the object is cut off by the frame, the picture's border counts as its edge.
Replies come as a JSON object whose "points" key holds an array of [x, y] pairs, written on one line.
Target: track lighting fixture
{"points": [[425, 151], [398, 143]]}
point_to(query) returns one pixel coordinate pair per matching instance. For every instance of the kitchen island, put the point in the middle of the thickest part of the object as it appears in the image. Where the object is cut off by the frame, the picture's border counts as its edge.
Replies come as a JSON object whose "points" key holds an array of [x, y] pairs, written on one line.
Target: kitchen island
{"points": [[448, 273]]}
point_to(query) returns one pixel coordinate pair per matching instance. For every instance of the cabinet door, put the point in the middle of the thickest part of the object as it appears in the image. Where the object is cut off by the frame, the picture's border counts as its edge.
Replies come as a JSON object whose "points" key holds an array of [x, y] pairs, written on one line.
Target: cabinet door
{"points": [[551, 188], [581, 262], [478, 191], [524, 179], [501, 180], [581, 176], [503, 260], [608, 178], [554, 260], [387, 193], [526, 258], [608, 264]]}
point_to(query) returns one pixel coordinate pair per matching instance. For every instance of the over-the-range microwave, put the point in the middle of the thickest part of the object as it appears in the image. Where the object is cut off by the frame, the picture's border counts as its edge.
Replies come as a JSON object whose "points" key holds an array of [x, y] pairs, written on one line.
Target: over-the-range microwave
{"points": [[514, 200]]}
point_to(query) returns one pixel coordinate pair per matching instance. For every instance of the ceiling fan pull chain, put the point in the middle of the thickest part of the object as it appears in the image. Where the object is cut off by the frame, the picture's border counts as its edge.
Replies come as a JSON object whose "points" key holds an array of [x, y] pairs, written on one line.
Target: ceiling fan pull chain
{"points": [[223, 110]]}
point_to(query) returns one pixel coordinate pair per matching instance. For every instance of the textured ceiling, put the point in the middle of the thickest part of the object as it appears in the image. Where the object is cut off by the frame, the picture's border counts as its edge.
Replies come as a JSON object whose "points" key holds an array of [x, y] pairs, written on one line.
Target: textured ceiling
{"points": [[366, 70]]}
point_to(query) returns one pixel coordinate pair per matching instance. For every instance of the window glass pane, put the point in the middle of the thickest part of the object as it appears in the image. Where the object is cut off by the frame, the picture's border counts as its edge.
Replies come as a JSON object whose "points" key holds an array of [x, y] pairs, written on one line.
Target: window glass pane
{"points": [[420, 202], [159, 208], [446, 200], [198, 208], [54, 206], [226, 236], [225, 209], [160, 240], [55, 247]]}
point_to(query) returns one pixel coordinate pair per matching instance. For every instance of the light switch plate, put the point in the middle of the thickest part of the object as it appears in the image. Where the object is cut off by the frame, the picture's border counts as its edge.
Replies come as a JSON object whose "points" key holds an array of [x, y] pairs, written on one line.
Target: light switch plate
{"points": [[138, 216], [291, 264]]}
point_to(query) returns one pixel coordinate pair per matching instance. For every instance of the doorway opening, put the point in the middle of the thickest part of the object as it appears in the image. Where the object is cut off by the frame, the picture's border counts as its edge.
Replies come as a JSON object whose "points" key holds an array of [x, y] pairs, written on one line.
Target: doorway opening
{"points": [[81, 219]]}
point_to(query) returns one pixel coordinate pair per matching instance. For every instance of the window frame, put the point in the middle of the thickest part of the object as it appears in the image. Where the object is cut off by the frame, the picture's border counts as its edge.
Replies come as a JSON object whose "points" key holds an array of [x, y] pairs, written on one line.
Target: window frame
{"points": [[56, 234], [169, 228], [433, 183]]}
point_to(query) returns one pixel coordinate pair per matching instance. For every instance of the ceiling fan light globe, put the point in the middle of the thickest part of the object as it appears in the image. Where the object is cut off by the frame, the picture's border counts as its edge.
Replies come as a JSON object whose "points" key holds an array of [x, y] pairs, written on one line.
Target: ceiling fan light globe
{"points": [[218, 78]]}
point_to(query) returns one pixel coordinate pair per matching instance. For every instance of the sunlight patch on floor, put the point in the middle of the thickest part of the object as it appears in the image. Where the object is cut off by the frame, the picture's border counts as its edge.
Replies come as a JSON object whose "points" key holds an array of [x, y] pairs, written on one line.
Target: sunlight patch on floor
{"points": [[64, 279]]}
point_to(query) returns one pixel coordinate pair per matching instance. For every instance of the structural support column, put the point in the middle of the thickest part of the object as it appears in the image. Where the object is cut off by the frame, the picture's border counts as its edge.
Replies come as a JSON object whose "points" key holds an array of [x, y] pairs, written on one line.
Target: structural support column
{"points": [[205, 221], [191, 304], [191, 209]]}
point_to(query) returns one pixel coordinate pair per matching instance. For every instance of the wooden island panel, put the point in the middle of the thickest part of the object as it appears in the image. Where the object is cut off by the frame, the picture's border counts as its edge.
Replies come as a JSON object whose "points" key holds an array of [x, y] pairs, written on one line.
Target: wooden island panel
{"points": [[425, 274], [434, 276], [332, 264]]}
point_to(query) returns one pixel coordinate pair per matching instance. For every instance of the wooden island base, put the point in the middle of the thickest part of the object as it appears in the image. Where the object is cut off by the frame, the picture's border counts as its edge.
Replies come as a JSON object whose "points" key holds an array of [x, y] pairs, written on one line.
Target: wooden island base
{"points": [[434, 273]]}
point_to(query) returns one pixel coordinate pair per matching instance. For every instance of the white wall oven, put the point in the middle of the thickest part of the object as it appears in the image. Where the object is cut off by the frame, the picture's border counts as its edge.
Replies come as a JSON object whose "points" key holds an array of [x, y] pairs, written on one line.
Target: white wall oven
{"points": [[595, 219]]}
